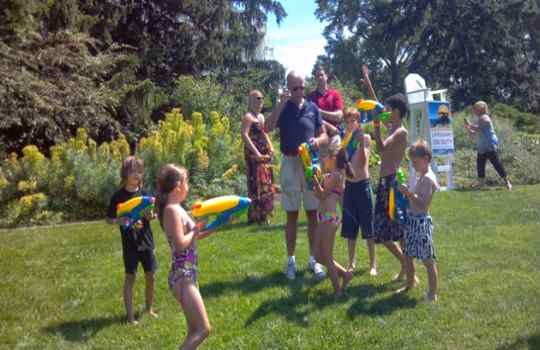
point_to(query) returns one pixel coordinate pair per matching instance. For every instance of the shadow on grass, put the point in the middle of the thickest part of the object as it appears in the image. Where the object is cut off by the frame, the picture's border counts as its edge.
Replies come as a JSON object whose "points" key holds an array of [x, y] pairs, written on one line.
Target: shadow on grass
{"points": [[250, 284], [300, 303], [528, 342], [81, 331], [297, 305], [385, 306]]}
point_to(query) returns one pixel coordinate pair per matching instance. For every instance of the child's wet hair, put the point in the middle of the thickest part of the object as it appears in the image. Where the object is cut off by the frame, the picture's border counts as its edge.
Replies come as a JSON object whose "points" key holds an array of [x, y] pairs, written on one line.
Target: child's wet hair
{"points": [[398, 101], [169, 176], [420, 149], [351, 113], [131, 165]]}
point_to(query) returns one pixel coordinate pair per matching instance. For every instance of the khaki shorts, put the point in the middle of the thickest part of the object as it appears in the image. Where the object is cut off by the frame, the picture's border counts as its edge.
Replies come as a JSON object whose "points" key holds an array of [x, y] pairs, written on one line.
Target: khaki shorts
{"points": [[293, 186], [335, 143]]}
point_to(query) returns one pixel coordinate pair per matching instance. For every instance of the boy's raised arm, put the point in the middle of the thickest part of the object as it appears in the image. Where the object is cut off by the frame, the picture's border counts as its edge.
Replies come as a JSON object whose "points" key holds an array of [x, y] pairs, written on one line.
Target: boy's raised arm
{"points": [[367, 83]]}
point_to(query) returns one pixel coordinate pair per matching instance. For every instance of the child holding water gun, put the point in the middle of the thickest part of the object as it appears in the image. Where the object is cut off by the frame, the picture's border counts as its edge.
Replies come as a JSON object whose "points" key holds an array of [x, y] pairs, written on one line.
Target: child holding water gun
{"points": [[419, 236], [392, 149], [357, 203], [329, 193], [181, 232], [137, 239]]}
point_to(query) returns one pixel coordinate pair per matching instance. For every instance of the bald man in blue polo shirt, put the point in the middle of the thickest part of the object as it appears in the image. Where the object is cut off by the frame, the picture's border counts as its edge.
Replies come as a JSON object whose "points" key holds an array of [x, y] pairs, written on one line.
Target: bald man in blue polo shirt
{"points": [[299, 121]]}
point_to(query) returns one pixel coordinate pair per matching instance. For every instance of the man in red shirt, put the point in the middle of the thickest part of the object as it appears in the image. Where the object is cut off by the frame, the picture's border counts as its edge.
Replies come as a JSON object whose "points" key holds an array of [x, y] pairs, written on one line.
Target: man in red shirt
{"points": [[330, 104]]}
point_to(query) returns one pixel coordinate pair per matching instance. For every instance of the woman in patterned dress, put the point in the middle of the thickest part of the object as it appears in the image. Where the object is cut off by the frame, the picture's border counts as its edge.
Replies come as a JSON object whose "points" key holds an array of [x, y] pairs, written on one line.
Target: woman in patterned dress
{"points": [[258, 153]]}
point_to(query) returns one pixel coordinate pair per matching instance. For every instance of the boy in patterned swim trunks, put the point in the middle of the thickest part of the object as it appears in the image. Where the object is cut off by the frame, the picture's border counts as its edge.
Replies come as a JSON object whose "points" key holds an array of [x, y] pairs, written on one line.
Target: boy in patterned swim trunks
{"points": [[419, 236], [392, 150]]}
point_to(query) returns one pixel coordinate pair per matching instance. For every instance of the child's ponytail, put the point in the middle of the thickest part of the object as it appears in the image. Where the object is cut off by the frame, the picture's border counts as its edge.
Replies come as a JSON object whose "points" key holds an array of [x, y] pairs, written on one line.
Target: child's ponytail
{"points": [[168, 178]]}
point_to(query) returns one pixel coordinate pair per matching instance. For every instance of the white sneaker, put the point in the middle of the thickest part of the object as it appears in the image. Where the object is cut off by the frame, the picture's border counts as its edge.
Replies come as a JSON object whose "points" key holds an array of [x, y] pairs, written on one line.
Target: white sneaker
{"points": [[318, 271], [290, 271]]}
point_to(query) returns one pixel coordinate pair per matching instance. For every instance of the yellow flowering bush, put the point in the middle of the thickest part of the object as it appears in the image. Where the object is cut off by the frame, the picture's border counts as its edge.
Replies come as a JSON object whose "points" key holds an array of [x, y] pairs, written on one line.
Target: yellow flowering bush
{"points": [[32, 201], [206, 149], [27, 186], [3, 182], [78, 178], [231, 172], [75, 182]]}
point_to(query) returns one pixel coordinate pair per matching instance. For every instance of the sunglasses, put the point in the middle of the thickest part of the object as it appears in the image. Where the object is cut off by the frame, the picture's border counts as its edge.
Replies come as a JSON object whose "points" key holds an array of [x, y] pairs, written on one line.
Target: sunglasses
{"points": [[296, 88], [259, 97]]}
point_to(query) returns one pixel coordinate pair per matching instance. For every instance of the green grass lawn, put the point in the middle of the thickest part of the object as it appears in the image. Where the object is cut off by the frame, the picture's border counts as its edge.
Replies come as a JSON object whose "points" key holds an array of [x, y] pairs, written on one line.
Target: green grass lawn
{"points": [[61, 287]]}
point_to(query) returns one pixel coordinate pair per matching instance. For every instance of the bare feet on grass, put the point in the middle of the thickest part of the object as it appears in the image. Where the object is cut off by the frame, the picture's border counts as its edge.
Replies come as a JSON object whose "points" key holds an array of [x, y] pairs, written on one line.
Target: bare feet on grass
{"points": [[399, 276], [407, 287], [152, 313], [132, 321], [338, 294], [352, 268], [431, 297], [347, 277]]}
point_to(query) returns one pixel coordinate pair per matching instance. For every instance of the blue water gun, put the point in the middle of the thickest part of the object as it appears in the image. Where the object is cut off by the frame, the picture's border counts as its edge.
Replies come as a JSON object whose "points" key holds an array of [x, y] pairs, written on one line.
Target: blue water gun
{"points": [[350, 143], [402, 203]]}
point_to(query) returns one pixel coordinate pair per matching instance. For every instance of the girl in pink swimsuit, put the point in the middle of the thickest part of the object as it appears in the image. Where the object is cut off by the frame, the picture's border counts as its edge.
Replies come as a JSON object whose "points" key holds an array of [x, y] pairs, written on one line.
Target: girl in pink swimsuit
{"points": [[181, 232], [329, 194]]}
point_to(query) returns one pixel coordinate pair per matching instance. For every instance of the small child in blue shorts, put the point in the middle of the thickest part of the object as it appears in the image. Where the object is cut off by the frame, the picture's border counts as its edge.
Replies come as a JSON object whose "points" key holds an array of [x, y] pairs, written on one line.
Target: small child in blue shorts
{"points": [[419, 236], [357, 203]]}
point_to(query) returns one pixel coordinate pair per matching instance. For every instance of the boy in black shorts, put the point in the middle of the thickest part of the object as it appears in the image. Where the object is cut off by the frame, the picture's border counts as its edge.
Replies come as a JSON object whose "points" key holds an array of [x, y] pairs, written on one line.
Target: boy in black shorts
{"points": [[137, 239]]}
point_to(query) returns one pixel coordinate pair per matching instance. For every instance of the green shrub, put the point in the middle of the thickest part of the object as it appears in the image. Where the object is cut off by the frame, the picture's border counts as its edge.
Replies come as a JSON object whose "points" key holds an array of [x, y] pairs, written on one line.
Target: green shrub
{"points": [[204, 95], [522, 121]]}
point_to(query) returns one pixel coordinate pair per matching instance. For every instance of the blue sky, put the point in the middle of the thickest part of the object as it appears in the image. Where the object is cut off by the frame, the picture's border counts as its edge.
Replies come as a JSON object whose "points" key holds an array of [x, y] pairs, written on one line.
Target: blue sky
{"points": [[298, 40]]}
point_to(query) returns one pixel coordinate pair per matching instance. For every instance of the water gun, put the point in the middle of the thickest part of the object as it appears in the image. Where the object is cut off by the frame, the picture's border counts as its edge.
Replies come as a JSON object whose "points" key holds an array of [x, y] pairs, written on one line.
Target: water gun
{"points": [[397, 203], [349, 143], [225, 207], [370, 110], [134, 209], [310, 161]]}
